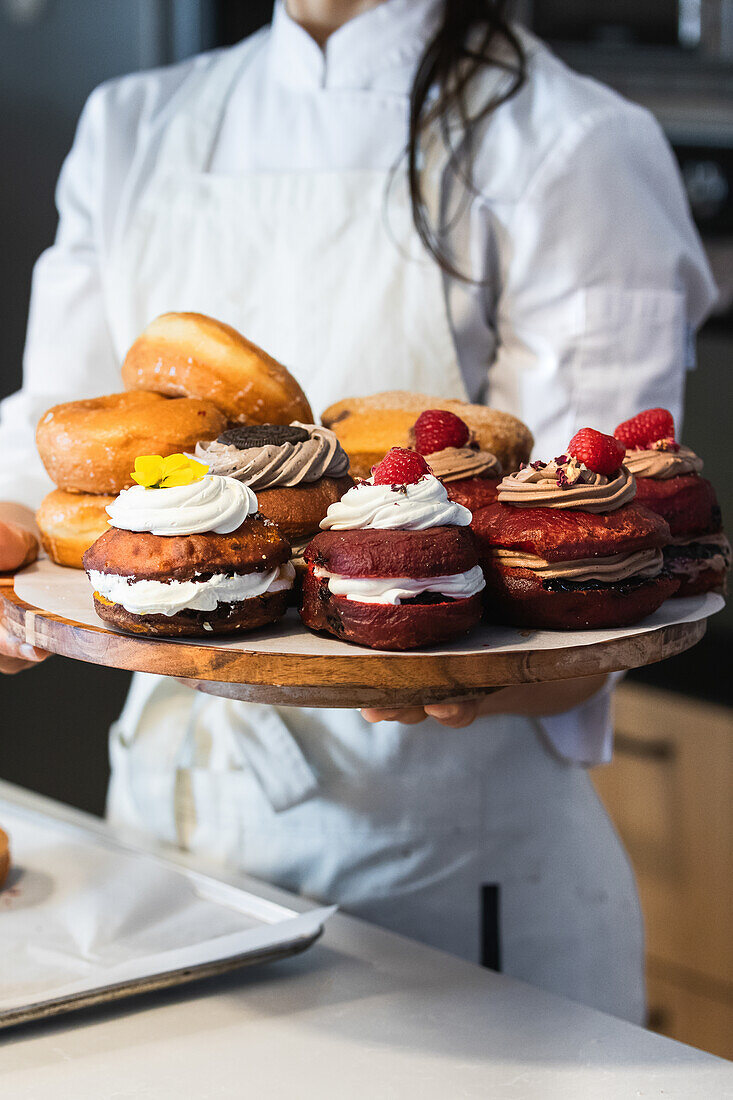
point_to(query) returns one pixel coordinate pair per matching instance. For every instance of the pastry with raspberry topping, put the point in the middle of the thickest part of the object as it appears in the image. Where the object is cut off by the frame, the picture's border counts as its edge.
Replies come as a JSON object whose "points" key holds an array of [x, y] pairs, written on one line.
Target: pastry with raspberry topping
{"points": [[394, 566], [668, 480], [566, 546], [469, 472]]}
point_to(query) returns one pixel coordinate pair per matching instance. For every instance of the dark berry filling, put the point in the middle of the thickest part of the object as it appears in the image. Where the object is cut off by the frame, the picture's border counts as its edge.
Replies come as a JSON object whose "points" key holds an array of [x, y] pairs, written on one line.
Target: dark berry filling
{"points": [[622, 588], [694, 551]]}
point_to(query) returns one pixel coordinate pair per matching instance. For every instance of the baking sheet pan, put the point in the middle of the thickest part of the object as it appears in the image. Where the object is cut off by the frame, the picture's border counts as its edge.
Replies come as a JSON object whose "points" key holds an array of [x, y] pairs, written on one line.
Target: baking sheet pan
{"points": [[86, 919]]}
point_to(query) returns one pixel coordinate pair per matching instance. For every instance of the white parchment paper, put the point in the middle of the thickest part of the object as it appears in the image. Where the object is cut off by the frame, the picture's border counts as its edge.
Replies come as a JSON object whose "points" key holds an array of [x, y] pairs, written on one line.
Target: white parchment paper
{"points": [[67, 592], [79, 913]]}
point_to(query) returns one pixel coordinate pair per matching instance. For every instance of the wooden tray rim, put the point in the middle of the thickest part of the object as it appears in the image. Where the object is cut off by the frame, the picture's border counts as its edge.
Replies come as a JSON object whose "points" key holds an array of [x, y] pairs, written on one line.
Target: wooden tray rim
{"points": [[347, 679]]}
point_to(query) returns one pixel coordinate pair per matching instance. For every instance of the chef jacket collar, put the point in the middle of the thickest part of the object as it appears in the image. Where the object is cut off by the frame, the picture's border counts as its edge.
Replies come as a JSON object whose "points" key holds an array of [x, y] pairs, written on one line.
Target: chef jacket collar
{"points": [[377, 49]]}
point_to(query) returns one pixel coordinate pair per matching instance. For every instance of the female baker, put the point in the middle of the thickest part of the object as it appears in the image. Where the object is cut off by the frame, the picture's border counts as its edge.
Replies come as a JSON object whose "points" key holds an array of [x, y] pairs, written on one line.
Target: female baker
{"points": [[412, 195]]}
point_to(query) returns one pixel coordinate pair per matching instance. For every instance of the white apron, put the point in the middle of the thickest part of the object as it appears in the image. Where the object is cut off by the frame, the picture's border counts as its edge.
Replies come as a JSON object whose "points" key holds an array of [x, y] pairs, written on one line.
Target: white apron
{"points": [[477, 841]]}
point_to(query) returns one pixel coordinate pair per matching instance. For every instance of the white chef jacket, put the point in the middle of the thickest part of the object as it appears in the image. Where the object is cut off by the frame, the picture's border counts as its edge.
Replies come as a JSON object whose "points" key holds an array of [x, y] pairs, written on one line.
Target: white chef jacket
{"points": [[589, 270]]}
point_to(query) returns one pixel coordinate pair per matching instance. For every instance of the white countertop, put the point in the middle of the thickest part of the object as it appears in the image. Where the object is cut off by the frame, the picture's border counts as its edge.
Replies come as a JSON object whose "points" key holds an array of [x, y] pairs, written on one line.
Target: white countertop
{"points": [[363, 1013]]}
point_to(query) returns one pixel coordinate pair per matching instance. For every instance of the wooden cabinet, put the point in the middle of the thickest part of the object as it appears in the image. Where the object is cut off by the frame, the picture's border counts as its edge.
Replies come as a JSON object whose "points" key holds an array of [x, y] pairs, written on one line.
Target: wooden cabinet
{"points": [[669, 790]]}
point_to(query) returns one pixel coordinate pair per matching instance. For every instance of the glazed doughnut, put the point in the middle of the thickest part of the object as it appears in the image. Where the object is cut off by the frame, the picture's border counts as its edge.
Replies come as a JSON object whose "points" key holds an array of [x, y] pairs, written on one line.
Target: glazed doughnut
{"points": [[191, 355], [91, 446], [368, 426], [69, 523]]}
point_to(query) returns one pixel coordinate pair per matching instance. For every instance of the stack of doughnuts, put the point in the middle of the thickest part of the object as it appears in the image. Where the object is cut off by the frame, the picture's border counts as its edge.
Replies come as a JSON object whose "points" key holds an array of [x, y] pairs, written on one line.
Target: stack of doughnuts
{"points": [[189, 377], [89, 449]]}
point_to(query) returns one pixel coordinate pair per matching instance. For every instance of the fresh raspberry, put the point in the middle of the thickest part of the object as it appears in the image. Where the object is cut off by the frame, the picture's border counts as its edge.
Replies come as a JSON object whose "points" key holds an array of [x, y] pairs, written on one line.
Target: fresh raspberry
{"points": [[436, 429], [601, 453], [646, 428], [400, 467]]}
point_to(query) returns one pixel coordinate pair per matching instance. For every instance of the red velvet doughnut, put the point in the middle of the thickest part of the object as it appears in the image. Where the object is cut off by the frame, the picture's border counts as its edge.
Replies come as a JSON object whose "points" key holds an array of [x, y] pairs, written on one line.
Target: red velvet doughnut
{"points": [[519, 598], [436, 552], [688, 503], [386, 626], [473, 492], [566, 535]]}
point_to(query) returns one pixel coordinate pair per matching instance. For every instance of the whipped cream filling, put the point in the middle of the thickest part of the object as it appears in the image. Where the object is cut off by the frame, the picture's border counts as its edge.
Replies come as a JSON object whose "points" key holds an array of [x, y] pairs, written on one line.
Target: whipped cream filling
{"points": [[456, 463], [287, 464], [150, 597], [400, 508], [393, 590], [213, 504], [614, 567], [661, 465], [568, 485]]}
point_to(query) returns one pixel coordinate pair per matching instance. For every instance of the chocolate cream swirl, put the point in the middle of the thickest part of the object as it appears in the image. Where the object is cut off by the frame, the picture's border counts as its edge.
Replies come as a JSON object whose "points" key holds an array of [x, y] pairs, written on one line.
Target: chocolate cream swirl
{"points": [[275, 466], [615, 567], [661, 465], [567, 484], [456, 463]]}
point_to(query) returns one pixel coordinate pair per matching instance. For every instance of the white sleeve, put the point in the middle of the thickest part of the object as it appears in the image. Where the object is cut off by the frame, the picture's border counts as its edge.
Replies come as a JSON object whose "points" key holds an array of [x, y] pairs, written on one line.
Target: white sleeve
{"points": [[603, 279], [68, 353]]}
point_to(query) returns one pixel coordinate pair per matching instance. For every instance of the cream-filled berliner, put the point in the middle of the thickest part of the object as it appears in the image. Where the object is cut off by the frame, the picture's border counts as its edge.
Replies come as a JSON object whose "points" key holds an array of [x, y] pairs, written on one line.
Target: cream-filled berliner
{"points": [[69, 523], [188, 554], [394, 566], [189, 354], [90, 446]]}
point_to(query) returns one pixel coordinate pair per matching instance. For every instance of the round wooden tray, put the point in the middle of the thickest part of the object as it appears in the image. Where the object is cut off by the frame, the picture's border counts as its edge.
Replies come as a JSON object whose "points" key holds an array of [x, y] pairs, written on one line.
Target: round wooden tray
{"points": [[290, 666]]}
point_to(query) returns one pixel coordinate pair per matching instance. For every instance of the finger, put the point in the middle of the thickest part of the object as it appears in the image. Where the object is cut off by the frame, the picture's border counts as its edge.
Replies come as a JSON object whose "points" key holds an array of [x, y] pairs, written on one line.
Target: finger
{"points": [[13, 649], [409, 716], [29, 657], [454, 715]]}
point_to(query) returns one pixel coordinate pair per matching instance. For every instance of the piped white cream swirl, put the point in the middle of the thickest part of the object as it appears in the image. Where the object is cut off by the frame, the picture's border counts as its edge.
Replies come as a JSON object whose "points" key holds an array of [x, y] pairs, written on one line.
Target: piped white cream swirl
{"points": [[215, 504], [404, 508]]}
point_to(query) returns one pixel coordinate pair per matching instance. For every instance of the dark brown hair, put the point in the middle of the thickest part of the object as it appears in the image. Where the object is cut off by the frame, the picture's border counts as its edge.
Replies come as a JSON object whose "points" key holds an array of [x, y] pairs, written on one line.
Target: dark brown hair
{"points": [[472, 35]]}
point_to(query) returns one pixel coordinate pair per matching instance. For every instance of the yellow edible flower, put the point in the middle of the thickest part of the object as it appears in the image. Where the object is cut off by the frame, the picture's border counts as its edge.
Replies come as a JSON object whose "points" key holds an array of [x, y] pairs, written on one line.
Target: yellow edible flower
{"points": [[156, 472]]}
